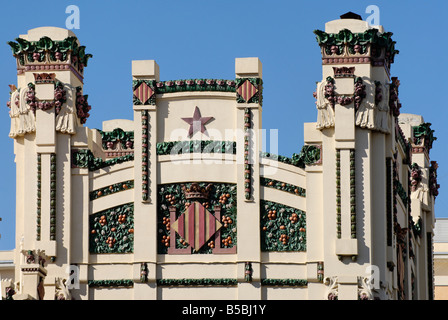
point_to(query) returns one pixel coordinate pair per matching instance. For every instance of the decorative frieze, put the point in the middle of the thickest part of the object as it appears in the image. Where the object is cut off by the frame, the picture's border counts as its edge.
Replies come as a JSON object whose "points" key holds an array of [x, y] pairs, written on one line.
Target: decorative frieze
{"points": [[344, 72], [126, 283], [84, 158], [195, 146], [112, 230], [219, 85], [309, 155], [197, 282], [117, 142], [283, 228], [284, 282], [369, 46], [283, 186], [48, 54], [114, 188]]}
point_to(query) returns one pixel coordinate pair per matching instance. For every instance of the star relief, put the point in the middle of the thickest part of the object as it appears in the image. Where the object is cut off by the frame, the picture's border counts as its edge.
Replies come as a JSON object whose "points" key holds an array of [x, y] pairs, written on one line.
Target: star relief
{"points": [[197, 122]]}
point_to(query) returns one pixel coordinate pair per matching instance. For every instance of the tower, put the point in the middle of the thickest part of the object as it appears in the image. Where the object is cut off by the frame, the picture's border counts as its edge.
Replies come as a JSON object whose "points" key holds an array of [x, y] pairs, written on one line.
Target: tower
{"points": [[47, 110], [366, 164]]}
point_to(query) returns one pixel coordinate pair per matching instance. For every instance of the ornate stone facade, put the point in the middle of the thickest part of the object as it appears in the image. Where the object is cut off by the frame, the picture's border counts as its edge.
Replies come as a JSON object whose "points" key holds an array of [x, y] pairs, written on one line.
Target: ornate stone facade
{"points": [[169, 204]]}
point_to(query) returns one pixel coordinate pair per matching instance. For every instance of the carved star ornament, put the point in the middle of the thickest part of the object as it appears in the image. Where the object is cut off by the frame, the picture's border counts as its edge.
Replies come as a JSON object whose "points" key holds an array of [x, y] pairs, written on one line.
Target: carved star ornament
{"points": [[197, 123]]}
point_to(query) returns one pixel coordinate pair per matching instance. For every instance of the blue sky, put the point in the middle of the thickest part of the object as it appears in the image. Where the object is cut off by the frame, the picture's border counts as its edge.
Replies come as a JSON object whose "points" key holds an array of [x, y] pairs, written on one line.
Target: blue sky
{"points": [[201, 39]]}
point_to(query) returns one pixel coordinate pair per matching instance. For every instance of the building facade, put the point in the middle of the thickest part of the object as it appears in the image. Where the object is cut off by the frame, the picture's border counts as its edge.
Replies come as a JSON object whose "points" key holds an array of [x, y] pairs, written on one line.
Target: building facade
{"points": [[181, 202]]}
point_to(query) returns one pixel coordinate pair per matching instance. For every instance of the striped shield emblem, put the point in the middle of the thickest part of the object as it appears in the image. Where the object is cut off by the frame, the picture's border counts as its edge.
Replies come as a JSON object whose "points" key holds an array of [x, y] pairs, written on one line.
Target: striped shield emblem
{"points": [[143, 92], [196, 225], [247, 90]]}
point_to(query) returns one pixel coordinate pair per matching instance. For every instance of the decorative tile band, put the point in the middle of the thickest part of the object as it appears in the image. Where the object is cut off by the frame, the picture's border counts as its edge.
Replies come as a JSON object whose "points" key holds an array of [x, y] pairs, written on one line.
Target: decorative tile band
{"points": [[110, 283], [283, 228], [279, 185], [352, 194], [39, 196], [247, 162], [112, 230], [114, 188], [145, 155], [145, 90], [84, 158], [197, 282], [53, 196], [195, 146], [338, 193], [309, 155], [284, 282]]}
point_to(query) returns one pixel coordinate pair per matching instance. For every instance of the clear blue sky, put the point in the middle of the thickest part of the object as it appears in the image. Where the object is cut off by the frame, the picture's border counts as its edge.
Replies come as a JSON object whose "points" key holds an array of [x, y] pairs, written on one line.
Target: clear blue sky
{"points": [[201, 39]]}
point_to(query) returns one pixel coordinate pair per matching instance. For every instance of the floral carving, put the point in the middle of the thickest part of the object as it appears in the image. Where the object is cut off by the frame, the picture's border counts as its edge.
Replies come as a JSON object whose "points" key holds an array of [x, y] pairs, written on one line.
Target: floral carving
{"points": [[112, 230], [360, 92], [283, 228], [82, 107], [433, 185]]}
